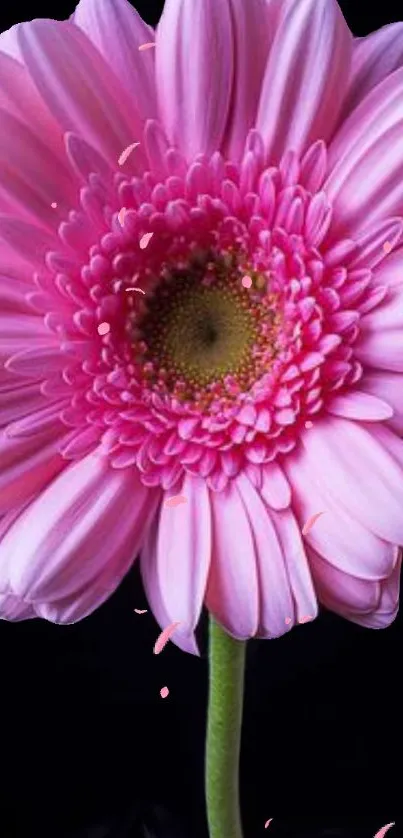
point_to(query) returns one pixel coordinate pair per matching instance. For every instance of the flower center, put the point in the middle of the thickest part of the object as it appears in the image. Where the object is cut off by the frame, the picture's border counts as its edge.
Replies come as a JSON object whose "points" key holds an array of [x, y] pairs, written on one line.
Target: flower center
{"points": [[203, 332]]}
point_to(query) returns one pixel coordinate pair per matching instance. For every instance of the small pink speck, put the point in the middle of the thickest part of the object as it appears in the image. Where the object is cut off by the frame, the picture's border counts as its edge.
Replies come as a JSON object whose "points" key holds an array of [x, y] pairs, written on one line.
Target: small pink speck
{"points": [[306, 619], [308, 425], [121, 215], [149, 45], [387, 247], [384, 830], [127, 151], [246, 282], [176, 500], [288, 620], [141, 611], [310, 522], [268, 822], [144, 241], [54, 205], [164, 692], [104, 328]]}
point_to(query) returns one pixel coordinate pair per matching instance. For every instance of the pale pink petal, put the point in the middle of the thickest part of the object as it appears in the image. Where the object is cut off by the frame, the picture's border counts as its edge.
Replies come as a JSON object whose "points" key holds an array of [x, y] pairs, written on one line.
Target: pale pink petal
{"points": [[374, 59], [305, 78], [358, 187], [117, 30], [339, 591], [388, 387], [383, 351], [89, 518], [175, 562], [297, 566], [358, 473], [195, 49], [21, 401], [275, 488], [28, 465], [30, 243], [9, 42], [14, 609], [373, 605], [233, 584], [388, 606], [390, 271], [338, 536], [19, 96], [380, 343], [81, 91], [22, 156], [254, 26], [356, 404], [275, 596], [284, 579]]}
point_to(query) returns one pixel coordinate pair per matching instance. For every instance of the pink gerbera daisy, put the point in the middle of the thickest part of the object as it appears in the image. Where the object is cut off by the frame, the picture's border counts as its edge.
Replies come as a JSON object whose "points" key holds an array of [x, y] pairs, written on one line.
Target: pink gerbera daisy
{"points": [[269, 149]]}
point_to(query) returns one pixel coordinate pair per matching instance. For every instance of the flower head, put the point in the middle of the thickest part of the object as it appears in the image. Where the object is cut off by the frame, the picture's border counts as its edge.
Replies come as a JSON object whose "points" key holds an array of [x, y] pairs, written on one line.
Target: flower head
{"points": [[258, 212]]}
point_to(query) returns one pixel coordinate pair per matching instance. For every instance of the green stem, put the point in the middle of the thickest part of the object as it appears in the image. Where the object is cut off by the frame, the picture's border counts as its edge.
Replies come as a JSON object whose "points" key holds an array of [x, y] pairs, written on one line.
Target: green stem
{"points": [[227, 664]]}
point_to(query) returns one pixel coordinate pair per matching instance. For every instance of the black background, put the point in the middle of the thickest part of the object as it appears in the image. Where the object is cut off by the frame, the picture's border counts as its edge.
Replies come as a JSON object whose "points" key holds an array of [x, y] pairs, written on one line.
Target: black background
{"points": [[88, 749]]}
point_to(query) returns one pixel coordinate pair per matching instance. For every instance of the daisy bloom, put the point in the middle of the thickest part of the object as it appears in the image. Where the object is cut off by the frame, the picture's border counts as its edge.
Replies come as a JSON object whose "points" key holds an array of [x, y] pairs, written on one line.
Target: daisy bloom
{"points": [[266, 145]]}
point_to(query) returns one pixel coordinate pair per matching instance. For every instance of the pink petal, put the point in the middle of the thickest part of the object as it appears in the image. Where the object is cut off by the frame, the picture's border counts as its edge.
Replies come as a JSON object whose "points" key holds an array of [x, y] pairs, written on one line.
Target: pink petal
{"points": [[22, 156], [14, 609], [89, 101], [275, 489], [386, 386], [390, 272], [275, 597], [9, 42], [19, 96], [338, 536], [175, 562], [306, 77], [28, 465], [360, 405], [90, 519], [381, 340], [341, 592], [28, 241], [233, 585], [253, 24], [358, 473], [194, 49], [374, 59], [117, 30], [357, 187]]}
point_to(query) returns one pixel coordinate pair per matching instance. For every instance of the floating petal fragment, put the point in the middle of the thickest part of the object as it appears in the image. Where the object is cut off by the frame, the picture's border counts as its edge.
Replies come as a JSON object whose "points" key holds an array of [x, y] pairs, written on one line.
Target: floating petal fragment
{"points": [[384, 830], [104, 328], [163, 638], [148, 45], [310, 522], [141, 610], [121, 215], [268, 822], [125, 154], [164, 692], [145, 240], [176, 500]]}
